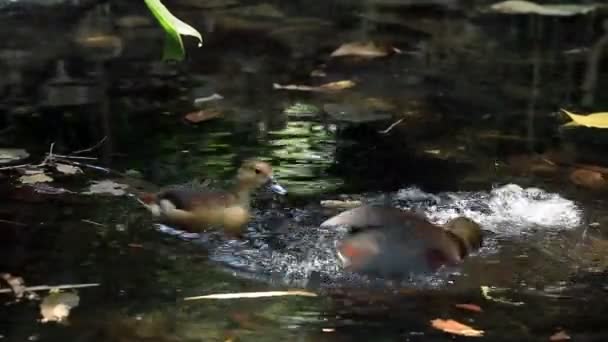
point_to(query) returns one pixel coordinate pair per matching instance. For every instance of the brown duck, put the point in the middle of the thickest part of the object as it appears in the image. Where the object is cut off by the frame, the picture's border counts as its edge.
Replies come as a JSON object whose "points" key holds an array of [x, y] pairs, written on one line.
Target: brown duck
{"points": [[195, 210], [393, 242]]}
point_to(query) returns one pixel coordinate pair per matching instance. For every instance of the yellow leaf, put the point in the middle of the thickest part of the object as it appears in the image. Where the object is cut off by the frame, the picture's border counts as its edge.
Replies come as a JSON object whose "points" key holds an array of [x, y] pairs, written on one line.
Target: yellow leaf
{"points": [[595, 120]]}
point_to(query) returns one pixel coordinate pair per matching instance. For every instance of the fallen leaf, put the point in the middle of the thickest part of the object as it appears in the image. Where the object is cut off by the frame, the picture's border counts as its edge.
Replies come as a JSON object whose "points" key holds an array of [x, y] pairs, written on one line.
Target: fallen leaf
{"points": [[213, 97], [456, 328], [327, 87], [528, 7], [588, 179], [56, 306], [107, 187], [68, 169], [559, 336], [338, 204], [9, 155], [594, 120], [361, 49], [16, 283], [39, 177], [485, 292], [202, 115], [469, 307]]}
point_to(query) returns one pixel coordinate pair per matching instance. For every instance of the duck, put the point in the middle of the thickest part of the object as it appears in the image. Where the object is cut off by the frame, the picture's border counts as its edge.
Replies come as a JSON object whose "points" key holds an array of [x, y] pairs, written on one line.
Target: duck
{"points": [[196, 210], [391, 242]]}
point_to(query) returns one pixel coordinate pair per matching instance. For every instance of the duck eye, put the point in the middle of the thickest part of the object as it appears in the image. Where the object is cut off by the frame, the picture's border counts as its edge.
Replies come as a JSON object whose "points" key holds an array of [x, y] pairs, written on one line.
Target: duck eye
{"points": [[258, 171]]}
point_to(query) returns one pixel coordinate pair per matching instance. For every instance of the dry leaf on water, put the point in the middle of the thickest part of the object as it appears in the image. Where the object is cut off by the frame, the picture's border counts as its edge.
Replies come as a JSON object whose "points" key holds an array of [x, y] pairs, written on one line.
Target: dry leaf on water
{"points": [[56, 306], [107, 187], [9, 155], [68, 169], [361, 49], [38, 177], [202, 115], [594, 120], [16, 283], [469, 307], [327, 87], [528, 7], [456, 328], [559, 336]]}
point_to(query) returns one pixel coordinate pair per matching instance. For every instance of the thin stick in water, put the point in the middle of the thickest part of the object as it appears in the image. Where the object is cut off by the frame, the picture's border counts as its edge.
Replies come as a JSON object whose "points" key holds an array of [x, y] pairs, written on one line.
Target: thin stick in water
{"points": [[254, 295]]}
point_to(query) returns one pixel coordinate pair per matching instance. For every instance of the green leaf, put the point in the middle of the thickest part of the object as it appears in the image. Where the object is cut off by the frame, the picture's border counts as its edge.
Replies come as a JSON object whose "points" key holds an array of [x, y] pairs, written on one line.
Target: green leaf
{"points": [[174, 29]]}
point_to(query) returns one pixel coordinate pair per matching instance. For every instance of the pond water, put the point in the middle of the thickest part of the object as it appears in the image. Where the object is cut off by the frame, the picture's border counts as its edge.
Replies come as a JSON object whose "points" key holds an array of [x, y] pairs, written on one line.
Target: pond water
{"points": [[461, 117]]}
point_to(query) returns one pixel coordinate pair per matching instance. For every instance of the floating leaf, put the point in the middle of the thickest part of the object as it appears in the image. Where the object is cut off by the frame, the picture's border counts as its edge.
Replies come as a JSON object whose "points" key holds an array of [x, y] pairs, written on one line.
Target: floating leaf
{"points": [[327, 87], [528, 7], [68, 169], [453, 327], [107, 187], [9, 155], [202, 115], [57, 305], [174, 28], [560, 336], [595, 120], [485, 292], [38, 177], [361, 49], [469, 307]]}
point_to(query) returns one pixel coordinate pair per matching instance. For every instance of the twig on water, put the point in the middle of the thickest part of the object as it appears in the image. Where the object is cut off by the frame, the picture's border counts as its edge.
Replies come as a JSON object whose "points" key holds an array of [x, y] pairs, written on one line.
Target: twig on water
{"points": [[389, 128], [254, 295], [93, 223], [14, 167], [47, 287], [99, 143], [13, 223]]}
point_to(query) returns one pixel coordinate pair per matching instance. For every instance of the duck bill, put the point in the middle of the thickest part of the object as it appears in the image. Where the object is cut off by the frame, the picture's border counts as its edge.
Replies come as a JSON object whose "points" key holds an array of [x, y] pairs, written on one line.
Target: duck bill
{"points": [[276, 187]]}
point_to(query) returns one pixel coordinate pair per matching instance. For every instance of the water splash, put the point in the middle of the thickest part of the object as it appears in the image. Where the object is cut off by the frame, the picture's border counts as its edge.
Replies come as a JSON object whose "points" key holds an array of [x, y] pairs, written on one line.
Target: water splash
{"points": [[306, 251]]}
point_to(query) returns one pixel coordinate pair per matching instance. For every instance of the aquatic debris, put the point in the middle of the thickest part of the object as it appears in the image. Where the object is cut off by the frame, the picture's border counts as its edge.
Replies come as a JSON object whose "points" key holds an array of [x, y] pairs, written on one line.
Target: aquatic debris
{"points": [[10, 155], [254, 295], [469, 307], [67, 169], [174, 29], [453, 327], [214, 97], [338, 204], [485, 292], [57, 305], [302, 110], [327, 87], [528, 7], [17, 285], [202, 115], [55, 287], [594, 120], [35, 176], [107, 187], [389, 128], [559, 336], [362, 49]]}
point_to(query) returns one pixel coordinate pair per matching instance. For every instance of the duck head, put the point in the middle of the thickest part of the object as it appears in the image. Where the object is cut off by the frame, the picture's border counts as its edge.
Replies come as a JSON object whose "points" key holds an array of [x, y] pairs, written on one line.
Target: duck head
{"points": [[254, 174], [468, 232]]}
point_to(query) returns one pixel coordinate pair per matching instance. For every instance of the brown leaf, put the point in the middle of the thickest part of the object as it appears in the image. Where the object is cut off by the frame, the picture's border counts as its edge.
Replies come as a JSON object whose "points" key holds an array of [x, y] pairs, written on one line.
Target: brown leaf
{"points": [[469, 307], [588, 179], [361, 49], [202, 115], [559, 336], [456, 328]]}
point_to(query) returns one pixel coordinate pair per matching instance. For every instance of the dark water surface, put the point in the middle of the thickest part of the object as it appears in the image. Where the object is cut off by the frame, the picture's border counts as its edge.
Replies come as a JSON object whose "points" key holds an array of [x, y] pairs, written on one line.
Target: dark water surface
{"points": [[474, 96]]}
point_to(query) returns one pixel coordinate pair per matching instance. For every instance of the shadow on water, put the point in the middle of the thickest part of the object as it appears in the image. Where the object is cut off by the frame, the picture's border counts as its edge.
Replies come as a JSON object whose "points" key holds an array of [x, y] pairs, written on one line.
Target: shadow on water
{"points": [[461, 118]]}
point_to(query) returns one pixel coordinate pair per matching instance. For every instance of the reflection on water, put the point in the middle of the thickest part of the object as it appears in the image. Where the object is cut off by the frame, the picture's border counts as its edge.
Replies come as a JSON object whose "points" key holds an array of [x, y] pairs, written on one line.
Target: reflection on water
{"points": [[464, 102]]}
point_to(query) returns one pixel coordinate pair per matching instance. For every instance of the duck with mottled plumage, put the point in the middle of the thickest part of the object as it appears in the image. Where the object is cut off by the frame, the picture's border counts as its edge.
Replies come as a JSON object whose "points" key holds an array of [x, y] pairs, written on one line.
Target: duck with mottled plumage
{"points": [[196, 210]]}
